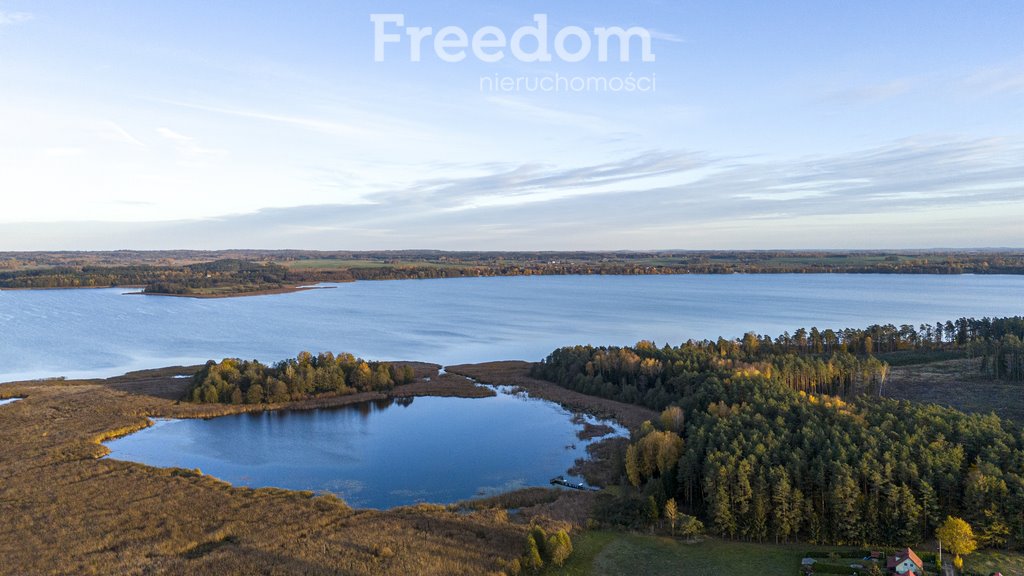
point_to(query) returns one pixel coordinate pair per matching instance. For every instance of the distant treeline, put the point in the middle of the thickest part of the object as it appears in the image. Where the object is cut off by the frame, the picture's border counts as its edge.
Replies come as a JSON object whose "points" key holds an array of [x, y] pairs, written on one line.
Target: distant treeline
{"points": [[842, 363], [176, 272], [646, 264], [237, 381], [227, 276], [783, 439]]}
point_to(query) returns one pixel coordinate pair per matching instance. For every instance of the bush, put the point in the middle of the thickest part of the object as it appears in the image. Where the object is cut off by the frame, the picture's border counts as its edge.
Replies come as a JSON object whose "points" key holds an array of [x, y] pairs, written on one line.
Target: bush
{"points": [[559, 548], [532, 559]]}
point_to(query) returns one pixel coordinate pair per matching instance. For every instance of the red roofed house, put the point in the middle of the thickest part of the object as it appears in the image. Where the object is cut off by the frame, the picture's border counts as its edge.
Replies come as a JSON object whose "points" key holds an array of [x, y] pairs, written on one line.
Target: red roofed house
{"points": [[905, 562]]}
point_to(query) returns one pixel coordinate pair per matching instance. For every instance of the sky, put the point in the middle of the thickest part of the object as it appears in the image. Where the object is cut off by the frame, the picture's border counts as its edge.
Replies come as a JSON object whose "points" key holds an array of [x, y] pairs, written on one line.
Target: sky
{"points": [[314, 125]]}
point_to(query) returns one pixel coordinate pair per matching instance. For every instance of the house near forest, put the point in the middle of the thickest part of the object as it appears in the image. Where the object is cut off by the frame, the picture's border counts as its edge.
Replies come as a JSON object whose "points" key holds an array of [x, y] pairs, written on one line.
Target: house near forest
{"points": [[905, 562]]}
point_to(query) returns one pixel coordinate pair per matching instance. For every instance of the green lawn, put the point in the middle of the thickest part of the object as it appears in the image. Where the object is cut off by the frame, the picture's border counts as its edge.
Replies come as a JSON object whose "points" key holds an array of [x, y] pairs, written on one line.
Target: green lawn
{"points": [[989, 561], [607, 553], [602, 553]]}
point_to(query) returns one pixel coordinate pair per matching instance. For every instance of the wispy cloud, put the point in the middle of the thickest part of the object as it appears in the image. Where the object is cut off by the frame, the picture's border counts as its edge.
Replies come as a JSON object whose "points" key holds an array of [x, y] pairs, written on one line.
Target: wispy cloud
{"points": [[369, 127], [188, 145], [174, 136], [327, 127], [533, 183], [665, 36], [1007, 78], [908, 175], [547, 115], [869, 94], [8, 18], [913, 192], [113, 131]]}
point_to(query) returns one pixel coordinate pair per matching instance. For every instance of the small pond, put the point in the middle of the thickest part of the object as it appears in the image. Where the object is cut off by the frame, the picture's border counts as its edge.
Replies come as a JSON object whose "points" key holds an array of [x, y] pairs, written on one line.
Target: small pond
{"points": [[376, 454]]}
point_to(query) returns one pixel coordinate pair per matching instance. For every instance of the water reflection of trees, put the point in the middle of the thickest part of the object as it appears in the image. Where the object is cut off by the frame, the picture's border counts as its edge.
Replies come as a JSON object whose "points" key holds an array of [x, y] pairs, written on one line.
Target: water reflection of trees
{"points": [[366, 408]]}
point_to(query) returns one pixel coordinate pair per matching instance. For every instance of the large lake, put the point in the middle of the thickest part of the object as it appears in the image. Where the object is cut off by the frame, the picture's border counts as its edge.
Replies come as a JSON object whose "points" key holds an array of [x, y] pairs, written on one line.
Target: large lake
{"points": [[376, 455], [81, 333], [434, 449]]}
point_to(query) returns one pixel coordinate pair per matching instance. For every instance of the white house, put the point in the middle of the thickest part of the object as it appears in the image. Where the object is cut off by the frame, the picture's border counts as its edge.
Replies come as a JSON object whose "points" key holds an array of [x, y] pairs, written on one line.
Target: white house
{"points": [[905, 562]]}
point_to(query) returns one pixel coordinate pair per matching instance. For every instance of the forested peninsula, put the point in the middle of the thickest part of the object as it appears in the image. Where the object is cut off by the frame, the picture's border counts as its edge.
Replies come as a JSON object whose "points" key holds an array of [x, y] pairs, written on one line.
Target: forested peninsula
{"points": [[246, 272], [790, 438]]}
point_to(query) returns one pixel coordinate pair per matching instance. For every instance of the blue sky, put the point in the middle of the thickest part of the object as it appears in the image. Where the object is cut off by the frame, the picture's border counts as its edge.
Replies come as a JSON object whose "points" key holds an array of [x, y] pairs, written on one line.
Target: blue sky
{"points": [[817, 124]]}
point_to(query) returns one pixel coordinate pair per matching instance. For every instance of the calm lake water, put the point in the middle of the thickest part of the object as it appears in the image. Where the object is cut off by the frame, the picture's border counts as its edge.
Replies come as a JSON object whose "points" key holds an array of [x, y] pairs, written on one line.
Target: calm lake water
{"points": [[79, 333], [435, 449], [375, 455]]}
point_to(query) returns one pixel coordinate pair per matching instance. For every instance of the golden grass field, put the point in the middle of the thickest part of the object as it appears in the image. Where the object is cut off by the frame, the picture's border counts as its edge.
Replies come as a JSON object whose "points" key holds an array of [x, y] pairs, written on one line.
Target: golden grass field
{"points": [[66, 510]]}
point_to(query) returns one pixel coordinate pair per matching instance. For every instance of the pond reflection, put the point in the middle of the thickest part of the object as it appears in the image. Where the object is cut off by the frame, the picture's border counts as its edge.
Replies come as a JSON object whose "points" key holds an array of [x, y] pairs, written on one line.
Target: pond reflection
{"points": [[375, 454]]}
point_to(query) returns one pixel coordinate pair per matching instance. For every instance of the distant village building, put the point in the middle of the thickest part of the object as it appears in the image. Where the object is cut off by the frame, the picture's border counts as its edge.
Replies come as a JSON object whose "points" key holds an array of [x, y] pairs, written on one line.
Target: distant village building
{"points": [[905, 562]]}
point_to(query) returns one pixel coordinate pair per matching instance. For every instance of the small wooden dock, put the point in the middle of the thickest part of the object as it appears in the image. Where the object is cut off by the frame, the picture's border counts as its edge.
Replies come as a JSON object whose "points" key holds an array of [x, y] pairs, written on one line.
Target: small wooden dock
{"points": [[561, 481]]}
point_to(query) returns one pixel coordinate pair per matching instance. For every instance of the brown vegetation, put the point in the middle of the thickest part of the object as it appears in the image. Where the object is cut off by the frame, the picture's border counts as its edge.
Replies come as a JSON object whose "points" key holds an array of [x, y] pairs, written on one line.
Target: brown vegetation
{"points": [[517, 374], [553, 508], [594, 431], [65, 510], [444, 385], [522, 498], [605, 462], [957, 384]]}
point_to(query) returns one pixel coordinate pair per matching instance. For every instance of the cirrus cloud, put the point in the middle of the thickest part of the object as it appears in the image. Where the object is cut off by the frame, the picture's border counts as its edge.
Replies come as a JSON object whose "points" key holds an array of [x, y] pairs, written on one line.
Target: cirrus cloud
{"points": [[8, 18]]}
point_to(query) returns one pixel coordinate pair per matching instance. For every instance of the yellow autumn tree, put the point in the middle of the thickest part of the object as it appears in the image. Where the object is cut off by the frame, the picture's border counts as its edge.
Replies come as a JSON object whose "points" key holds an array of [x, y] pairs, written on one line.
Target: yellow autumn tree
{"points": [[956, 535]]}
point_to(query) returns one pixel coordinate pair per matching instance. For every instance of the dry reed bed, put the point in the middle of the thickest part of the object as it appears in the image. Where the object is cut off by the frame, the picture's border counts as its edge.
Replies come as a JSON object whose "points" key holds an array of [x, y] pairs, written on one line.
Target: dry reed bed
{"points": [[65, 511]]}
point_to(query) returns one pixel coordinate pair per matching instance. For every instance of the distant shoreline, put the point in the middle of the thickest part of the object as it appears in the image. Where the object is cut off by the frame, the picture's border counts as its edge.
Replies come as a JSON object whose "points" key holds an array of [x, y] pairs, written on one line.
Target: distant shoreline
{"points": [[227, 274], [126, 286], [282, 290], [231, 273], [303, 288]]}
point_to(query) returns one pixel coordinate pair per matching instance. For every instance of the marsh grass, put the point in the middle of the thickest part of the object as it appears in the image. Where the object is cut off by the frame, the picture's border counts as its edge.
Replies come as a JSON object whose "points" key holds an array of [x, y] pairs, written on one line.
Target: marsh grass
{"points": [[66, 510]]}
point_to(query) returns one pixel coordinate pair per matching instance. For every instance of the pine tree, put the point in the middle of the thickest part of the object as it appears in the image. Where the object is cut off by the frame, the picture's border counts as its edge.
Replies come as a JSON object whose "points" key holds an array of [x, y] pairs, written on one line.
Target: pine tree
{"points": [[782, 513], [721, 506]]}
